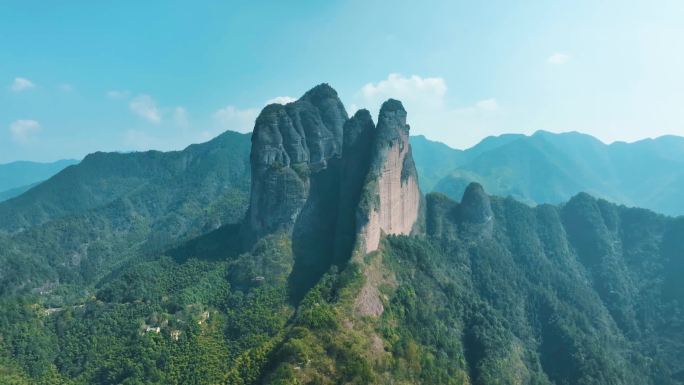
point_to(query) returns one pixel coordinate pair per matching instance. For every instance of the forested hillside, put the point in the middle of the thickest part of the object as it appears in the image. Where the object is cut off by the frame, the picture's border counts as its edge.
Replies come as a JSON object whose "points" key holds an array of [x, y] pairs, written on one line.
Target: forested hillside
{"points": [[585, 293], [102, 178], [82, 223]]}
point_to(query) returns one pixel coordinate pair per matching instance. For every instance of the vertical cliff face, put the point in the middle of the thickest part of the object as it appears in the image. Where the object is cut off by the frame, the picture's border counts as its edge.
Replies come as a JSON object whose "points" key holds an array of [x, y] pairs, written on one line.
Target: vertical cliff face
{"points": [[336, 185], [391, 197], [291, 144], [359, 140]]}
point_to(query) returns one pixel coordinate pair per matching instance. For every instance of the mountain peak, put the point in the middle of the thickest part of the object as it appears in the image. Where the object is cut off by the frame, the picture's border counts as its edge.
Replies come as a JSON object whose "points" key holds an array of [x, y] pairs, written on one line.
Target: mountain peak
{"points": [[392, 116], [475, 205], [393, 192], [392, 105], [307, 155], [321, 91], [289, 144]]}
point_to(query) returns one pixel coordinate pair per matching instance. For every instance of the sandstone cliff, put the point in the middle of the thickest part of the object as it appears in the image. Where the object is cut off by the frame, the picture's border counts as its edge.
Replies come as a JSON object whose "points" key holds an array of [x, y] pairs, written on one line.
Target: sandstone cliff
{"points": [[334, 184], [290, 144], [391, 197]]}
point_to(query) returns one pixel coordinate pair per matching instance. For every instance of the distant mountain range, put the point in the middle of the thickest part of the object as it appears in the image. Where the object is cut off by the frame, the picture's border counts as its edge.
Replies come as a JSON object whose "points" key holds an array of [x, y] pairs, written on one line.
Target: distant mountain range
{"points": [[18, 177], [551, 168]]}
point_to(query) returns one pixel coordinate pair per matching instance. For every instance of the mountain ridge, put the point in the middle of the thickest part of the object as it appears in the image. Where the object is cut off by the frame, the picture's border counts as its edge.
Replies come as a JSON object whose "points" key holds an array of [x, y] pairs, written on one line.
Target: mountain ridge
{"points": [[645, 173]]}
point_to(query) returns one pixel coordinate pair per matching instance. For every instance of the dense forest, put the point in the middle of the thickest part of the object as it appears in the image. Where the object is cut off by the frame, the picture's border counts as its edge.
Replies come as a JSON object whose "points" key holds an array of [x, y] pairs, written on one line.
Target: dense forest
{"points": [[583, 293], [140, 268]]}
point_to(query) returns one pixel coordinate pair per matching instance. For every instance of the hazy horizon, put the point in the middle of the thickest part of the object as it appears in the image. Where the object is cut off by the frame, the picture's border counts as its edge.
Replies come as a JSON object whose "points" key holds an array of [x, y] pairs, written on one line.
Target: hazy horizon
{"points": [[422, 135]]}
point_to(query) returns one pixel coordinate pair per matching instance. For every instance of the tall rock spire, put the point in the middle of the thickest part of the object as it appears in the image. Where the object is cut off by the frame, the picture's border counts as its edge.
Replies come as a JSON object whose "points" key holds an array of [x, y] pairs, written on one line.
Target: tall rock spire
{"points": [[391, 198], [290, 143], [334, 184]]}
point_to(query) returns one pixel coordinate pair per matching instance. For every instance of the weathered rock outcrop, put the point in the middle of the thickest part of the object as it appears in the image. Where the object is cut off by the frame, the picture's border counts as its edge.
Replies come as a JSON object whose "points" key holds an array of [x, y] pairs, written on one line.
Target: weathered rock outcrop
{"points": [[336, 185], [391, 197], [359, 139], [290, 144]]}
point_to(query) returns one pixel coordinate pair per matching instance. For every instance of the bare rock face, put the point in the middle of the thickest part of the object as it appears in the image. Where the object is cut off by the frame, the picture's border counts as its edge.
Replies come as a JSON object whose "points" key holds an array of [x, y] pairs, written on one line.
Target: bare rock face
{"points": [[391, 197], [359, 139], [290, 144], [334, 184]]}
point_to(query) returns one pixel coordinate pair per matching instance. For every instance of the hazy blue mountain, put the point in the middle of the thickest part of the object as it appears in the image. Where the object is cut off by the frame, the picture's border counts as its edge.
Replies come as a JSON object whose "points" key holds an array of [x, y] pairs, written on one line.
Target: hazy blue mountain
{"points": [[17, 177], [551, 168], [24, 173], [16, 191], [435, 160]]}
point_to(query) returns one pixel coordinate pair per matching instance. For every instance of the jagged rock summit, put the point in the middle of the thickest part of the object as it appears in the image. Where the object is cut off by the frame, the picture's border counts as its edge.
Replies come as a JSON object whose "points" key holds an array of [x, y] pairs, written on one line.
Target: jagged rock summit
{"points": [[391, 195], [289, 143], [336, 184]]}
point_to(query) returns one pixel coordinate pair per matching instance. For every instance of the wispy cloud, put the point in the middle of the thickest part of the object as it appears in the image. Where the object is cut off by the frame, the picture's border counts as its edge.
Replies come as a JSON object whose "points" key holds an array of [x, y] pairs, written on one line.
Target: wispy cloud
{"points": [[66, 87], [145, 107], [430, 111], [235, 119], [24, 130], [558, 58], [488, 104], [180, 117], [281, 100], [21, 84], [420, 92], [118, 94]]}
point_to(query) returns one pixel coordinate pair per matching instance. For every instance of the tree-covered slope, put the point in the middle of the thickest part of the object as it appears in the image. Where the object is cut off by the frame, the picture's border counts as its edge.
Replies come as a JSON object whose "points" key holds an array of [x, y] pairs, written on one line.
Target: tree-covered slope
{"points": [[143, 203], [494, 292], [502, 293], [155, 322], [14, 192], [161, 178]]}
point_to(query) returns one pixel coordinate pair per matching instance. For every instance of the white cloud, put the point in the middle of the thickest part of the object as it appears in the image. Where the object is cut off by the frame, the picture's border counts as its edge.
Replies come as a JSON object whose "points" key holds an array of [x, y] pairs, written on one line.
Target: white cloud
{"points": [[118, 94], [281, 100], [415, 91], [429, 111], [21, 84], [180, 117], [235, 119], [66, 87], [145, 107], [24, 130], [558, 58], [488, 104]]}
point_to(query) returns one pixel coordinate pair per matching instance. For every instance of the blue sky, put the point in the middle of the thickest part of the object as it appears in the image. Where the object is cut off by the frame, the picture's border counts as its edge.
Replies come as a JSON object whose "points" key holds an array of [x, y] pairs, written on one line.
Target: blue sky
{"points": [[83, 76]]}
